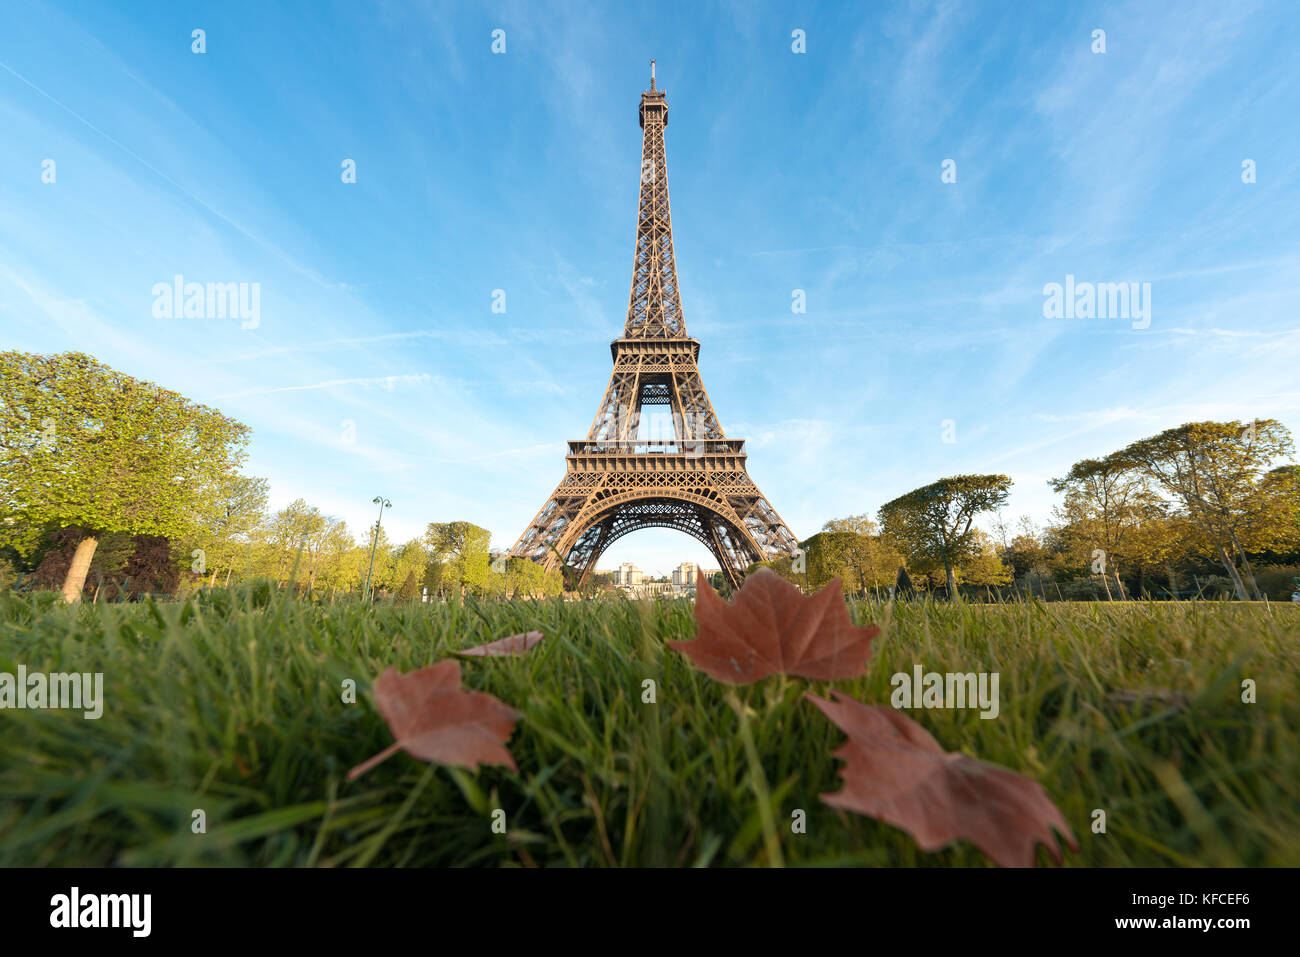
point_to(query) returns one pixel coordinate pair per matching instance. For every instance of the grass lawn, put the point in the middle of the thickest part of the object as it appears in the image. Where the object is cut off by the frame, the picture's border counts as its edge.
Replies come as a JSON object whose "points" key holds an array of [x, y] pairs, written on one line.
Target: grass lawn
{"points": [[234, 707]]}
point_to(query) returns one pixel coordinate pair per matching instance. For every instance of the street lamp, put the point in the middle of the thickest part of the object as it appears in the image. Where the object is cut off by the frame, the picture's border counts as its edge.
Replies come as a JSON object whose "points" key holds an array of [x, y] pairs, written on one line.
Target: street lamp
{"points": [[383, 503]]}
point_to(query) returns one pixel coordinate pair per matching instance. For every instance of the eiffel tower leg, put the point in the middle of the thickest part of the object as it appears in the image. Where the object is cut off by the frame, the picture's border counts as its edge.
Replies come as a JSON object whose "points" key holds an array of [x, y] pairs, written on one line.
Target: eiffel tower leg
{"points": [[730, 563], [597, 549]]}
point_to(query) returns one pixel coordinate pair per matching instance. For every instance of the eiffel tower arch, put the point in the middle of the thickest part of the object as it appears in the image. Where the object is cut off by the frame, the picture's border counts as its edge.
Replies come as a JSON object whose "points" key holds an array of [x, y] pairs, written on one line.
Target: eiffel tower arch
{"points": [[627, 474]]}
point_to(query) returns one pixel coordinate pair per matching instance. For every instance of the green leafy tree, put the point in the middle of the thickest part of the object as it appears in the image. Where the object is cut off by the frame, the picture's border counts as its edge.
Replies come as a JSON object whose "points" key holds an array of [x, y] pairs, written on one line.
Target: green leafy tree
{"points": [[531, 580], [1272, 521], [932, 525], [903, 585], [1024, 551], [410, 560], [345, 569], [334, 566], [1158, 543], [227, 523], [297, 533], [463, 548], [855, 550], [826, 557], [985, 566], [84, 445], [1106, 501], [1213, 470]]}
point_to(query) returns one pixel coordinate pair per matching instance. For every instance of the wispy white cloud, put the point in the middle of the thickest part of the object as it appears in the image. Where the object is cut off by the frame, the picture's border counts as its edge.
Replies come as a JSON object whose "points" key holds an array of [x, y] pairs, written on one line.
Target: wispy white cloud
{"points": [[385, 382]]}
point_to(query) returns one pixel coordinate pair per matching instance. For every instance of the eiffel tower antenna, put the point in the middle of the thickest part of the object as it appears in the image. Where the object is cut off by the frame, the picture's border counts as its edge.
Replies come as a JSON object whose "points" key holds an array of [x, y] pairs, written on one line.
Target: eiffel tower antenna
{"points": [[632, 471]]}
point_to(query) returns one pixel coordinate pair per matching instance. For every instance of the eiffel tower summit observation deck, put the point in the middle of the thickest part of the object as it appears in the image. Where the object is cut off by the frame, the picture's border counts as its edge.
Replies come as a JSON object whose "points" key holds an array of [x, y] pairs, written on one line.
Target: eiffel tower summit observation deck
{"points": [[618, 480]]}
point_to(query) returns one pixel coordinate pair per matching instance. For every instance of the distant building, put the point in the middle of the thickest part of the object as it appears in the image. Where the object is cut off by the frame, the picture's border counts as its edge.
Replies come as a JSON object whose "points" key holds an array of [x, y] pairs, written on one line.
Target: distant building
{"points": [[634, 583]]}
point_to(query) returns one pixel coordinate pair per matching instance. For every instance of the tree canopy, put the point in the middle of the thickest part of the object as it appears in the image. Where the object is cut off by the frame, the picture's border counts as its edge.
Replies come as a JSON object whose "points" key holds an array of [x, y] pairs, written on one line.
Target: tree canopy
{"points": [[83, 445], [1213, 471], [934, 524]]}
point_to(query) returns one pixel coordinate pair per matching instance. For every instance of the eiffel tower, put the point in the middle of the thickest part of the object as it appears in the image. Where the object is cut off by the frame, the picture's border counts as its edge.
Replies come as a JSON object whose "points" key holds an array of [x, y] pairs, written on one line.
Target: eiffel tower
{"points": [[623, 478]]}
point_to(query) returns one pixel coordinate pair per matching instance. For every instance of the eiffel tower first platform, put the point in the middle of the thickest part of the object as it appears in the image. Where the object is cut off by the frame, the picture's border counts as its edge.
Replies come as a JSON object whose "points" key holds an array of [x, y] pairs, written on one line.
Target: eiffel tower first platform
{"points": [[620, 479]]}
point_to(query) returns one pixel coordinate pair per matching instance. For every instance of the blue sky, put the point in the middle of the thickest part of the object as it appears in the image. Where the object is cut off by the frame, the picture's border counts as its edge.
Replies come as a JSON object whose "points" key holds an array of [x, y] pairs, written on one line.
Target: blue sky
{"points": [[378, 366]]}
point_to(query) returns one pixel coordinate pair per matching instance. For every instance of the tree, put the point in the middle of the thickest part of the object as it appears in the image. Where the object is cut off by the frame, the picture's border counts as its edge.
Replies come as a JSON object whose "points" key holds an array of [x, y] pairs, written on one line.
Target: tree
{"points": [[84, 445], [903, 586], [297, 532], [932, 524], [783, 565], [335, 566], [1027, 550], [226, 523], [1158, 542], [1213, 471], [107, 564], [1272, 521], [721, 584], [531, 580], [1106, 500], [852, 549], [826, 556], [410, 560], [409, 591], [985, 566], [345, 566], [463, 546]]}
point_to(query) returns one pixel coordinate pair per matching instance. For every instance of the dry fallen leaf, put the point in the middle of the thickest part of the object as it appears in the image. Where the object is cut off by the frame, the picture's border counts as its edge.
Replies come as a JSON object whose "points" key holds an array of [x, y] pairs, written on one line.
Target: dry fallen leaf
{"points": [[434, 719], [897, 773], [514, 645], [773, 628]]}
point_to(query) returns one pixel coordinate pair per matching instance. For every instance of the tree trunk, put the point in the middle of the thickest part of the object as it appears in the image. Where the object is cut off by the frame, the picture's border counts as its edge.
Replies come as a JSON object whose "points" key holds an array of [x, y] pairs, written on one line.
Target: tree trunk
{"points": [[1173, 581], [1122, 595], [76, 577], [1235, 575], [952, 581], [1250, 573], [1106, 585], [1250, 577]]}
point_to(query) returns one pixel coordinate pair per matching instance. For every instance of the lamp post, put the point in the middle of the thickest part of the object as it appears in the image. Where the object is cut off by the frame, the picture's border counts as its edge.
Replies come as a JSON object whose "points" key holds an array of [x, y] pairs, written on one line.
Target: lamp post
{"points": [[383, 503]]}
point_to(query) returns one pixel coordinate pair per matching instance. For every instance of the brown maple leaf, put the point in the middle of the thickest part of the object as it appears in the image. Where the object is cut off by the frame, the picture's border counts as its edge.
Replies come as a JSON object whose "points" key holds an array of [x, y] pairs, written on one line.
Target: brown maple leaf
{"points": [[514, 645], [773, 628], [434, 719], [897, 773]]}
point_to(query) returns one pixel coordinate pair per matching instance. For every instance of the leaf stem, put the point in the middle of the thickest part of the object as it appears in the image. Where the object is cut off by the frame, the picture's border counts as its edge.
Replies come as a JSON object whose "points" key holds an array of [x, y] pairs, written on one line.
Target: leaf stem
{"points": [[369, 763]]}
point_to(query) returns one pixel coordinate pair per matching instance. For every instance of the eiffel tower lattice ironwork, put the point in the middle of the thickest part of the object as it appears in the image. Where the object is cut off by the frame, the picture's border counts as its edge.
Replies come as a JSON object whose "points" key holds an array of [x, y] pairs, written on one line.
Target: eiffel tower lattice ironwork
{"points": [[623, 478]]}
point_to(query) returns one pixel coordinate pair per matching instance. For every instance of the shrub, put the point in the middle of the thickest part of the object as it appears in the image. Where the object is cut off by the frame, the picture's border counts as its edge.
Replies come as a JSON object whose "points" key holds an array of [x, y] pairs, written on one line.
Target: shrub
{"points": [[1275, 581], [1087, 589]]}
